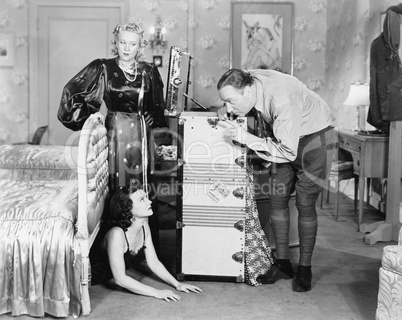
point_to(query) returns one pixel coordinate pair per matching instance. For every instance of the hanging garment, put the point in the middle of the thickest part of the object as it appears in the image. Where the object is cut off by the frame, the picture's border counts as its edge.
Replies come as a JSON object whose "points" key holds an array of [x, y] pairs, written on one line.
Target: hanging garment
{"points": [[386, 73]]}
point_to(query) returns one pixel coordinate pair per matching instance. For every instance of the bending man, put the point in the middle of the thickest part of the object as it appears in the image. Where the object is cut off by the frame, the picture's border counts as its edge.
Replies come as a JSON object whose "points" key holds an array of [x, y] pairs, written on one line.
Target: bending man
{"points": [[300, 144]]}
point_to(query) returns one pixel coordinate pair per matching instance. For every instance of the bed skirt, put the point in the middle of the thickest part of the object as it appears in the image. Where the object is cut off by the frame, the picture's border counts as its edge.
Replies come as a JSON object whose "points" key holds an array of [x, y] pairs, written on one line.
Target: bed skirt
{"points": [[40, 263]]}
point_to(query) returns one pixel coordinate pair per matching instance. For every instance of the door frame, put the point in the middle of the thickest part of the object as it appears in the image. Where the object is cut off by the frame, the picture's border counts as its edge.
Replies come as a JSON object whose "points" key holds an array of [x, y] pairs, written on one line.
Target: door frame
{"points": [[34, 5]]}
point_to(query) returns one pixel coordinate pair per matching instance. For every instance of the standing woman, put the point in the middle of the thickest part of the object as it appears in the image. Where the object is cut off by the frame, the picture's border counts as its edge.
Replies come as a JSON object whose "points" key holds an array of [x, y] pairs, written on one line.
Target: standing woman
{"points": [[133, 93]]}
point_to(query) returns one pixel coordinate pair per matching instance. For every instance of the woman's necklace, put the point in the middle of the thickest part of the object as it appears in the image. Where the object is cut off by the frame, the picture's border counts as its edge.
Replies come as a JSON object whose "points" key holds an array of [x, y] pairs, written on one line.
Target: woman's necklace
{"points": [[129, 72]]}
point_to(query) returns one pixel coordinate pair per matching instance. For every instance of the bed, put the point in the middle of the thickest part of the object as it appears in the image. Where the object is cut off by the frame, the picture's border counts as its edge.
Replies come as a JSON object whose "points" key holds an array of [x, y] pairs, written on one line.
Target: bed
{"points": [[51, 203]]}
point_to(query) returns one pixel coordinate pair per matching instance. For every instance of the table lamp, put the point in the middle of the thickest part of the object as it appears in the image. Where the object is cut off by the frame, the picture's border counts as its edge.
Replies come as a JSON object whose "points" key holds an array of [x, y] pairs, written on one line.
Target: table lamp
{"points": [[358, 97]]}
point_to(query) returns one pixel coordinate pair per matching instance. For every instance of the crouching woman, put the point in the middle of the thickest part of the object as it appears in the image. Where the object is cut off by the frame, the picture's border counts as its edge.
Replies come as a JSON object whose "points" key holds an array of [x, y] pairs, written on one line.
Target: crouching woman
{"points": [[128, 242]]}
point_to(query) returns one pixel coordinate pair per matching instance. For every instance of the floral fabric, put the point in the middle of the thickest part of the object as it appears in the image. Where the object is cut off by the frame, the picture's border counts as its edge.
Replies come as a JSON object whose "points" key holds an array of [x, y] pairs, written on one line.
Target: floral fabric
{"points": [[258, 253]]}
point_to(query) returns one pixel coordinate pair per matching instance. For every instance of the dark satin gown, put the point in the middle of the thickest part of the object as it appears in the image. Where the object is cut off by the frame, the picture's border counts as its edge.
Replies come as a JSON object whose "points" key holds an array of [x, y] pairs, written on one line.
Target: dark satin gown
{"points": [[103, 81]]}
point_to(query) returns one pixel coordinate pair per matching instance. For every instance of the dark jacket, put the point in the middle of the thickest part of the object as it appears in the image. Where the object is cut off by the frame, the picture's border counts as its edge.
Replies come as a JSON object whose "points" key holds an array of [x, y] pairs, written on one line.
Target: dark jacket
{"points": [[386, 74]]}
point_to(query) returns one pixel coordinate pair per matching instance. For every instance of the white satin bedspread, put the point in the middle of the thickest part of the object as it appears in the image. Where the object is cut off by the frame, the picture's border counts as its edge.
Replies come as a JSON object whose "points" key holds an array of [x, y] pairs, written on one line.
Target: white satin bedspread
{"points": [[39, 256], [40, 270]]}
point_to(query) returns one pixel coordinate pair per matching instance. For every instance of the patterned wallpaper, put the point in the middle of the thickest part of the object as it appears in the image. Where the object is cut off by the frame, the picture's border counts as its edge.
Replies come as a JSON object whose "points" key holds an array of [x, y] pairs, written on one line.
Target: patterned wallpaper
{"points": [[212, 44], [331, 47], [14, 79], [351, 27]]}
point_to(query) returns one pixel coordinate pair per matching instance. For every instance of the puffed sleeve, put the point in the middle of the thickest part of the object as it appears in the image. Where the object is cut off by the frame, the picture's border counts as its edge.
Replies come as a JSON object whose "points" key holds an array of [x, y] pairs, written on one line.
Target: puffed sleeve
{"points": [[155, 103], [82, 95]]}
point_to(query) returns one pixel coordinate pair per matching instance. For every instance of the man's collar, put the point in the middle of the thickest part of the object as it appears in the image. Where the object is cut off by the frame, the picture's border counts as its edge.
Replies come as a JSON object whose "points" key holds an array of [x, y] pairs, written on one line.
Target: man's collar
{"points": [[259, 93]]}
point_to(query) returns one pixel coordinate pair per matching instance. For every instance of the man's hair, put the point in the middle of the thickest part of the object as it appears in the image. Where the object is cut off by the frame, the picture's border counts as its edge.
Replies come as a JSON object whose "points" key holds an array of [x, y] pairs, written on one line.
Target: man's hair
{"points": [[237, 78]]}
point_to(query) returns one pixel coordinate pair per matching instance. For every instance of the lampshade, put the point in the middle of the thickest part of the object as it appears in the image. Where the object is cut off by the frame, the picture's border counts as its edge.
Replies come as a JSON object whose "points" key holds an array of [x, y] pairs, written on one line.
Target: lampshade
{"points": [[358, 95]]}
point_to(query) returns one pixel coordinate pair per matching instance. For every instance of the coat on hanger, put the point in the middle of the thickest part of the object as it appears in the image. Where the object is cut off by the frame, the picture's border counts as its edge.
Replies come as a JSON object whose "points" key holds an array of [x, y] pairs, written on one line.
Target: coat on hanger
{"points": [[386, 73]]}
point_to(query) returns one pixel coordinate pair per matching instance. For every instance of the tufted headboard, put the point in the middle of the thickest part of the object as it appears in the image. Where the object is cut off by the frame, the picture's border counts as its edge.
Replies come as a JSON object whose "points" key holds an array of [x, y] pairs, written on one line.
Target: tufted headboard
{"points": [[92, 169]]}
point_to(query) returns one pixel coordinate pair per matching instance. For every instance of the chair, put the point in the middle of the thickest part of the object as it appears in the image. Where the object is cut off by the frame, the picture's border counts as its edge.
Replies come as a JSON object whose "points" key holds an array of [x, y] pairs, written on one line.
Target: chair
{"points": [[389, 302], [37, 137], [341, 170]]}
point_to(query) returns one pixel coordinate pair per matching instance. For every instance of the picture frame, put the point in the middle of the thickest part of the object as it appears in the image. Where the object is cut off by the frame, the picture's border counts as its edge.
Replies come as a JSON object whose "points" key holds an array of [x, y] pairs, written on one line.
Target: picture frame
{"points": [[6, 50], [262, 35]]}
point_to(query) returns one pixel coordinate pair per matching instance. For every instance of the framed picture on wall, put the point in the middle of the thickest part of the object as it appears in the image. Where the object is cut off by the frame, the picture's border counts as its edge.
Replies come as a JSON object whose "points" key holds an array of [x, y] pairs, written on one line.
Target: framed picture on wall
{"points": [[262, 35], [6, 50]]}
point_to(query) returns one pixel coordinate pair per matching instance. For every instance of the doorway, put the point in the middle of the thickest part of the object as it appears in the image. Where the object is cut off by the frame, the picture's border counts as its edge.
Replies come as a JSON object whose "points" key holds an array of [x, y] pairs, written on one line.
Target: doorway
{"points": [[64, 38]]}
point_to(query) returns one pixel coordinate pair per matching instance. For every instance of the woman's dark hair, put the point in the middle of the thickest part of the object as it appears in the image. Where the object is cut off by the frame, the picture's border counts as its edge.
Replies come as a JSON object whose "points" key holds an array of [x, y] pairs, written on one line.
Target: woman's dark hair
{"points": [[237, 78], [121, 206]]}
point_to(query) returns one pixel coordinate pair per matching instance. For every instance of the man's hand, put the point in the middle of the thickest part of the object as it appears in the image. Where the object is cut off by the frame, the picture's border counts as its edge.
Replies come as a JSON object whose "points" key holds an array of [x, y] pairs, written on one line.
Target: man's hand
{"points": [[237, 133], [223, 113]]}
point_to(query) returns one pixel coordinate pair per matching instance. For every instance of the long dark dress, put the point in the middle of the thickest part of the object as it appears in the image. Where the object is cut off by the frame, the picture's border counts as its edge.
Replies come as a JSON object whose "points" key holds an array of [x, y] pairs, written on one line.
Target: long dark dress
{"points": [[103, 81]]}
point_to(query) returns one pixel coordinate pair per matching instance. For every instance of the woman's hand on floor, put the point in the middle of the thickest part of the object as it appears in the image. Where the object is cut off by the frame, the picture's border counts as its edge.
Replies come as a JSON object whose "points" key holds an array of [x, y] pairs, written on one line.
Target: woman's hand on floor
{"points": [[184, 287], [167, 295]]}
